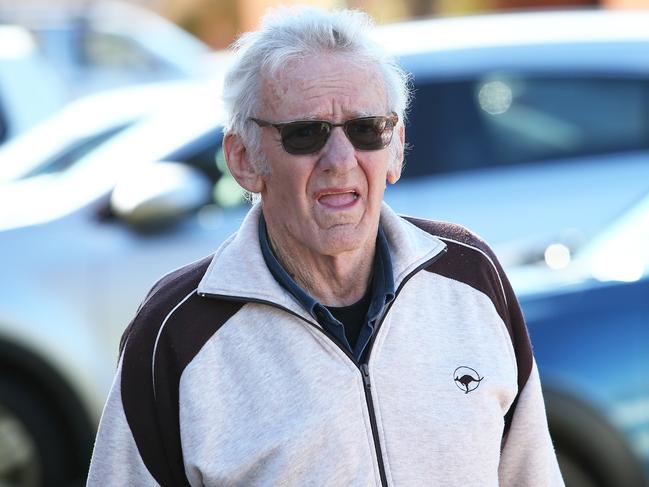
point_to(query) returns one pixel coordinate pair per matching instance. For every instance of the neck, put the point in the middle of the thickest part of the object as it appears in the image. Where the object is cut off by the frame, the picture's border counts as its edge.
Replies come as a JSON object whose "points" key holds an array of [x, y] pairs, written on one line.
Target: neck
{"points": [[338, 280]]}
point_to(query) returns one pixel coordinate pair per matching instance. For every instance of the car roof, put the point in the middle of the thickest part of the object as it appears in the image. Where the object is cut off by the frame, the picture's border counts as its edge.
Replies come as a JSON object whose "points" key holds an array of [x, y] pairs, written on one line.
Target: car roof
{"points": [[514, 29], [586, 42]]}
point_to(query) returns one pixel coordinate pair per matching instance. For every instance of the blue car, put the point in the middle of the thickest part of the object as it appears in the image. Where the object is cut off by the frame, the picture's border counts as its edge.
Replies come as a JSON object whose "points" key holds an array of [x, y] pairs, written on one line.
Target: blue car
{"points": [[588, 317]]}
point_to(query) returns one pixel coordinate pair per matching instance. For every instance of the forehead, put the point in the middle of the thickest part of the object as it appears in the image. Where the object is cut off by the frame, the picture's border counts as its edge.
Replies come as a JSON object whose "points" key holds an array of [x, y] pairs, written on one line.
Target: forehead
{"points": [[325, 86]]}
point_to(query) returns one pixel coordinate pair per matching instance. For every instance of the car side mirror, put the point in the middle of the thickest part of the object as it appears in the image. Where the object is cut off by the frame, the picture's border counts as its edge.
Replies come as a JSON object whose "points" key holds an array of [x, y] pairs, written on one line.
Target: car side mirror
{"points": [[159, 192]]}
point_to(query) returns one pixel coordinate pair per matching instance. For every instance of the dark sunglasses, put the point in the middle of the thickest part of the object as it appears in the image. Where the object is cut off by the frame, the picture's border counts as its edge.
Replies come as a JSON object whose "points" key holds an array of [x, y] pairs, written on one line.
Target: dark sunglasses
{"points": [[309, 136]]}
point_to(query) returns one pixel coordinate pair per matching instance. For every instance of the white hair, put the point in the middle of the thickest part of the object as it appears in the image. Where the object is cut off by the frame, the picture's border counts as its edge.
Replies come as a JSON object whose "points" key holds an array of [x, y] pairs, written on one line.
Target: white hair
{"points": [[293, 33]]}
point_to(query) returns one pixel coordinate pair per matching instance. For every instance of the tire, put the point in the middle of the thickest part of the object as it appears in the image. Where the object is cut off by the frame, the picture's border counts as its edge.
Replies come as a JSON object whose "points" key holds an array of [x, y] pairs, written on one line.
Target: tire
{"points": [[32, 442], [574, 474], [591, 452]]}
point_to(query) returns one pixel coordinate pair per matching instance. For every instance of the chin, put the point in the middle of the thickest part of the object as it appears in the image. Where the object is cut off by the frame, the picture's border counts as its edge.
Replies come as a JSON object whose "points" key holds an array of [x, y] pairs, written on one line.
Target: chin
{"points": [[340, 240]]}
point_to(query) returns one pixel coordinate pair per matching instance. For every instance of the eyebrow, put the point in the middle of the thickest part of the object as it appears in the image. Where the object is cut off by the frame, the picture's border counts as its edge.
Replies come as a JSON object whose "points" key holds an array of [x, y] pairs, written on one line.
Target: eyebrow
{"points": [[346, 116]]}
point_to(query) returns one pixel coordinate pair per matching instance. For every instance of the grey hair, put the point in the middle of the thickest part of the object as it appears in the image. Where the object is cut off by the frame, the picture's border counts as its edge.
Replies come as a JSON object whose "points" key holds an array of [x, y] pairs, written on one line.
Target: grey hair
{"points": [[287, 34]]}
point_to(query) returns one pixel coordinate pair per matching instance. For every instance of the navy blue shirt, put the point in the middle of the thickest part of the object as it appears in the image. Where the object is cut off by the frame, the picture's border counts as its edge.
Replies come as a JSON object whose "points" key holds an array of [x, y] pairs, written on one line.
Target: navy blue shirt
{"points": [[382, 294]]}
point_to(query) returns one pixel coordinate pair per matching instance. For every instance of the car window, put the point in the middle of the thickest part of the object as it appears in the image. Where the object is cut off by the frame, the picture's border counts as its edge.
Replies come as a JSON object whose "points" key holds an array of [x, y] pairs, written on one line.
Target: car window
{"points": [[201, 154], [206, 155], [74, 152], [105, 50], [462, 124]]}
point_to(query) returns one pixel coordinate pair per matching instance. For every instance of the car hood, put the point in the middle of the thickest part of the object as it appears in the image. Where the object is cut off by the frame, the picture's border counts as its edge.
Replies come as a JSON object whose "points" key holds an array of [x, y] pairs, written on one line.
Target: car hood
{"points": [[539, 279], [521, 210]]}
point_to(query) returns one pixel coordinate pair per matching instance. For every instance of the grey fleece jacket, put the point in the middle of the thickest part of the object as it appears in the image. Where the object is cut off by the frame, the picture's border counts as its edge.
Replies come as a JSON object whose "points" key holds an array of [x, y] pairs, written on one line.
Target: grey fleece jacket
{"points": [[224, 380]]}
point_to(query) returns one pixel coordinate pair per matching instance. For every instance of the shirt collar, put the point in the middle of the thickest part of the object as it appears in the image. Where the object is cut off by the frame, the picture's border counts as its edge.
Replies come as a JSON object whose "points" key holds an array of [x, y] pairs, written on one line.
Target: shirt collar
{"points": [[382, 282], [230, 275], [280, 274]]}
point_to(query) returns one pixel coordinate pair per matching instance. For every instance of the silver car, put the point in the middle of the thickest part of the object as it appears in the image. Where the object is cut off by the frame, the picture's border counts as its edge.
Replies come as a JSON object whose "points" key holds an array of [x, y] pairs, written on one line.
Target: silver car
{"points": [[533, 137]]}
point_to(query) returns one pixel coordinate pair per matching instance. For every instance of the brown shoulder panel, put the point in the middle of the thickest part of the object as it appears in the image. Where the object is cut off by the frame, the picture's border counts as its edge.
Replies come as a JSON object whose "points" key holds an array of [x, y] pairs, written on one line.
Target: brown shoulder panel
{"points": [[174, 322], [467, 260], [177, 283]]}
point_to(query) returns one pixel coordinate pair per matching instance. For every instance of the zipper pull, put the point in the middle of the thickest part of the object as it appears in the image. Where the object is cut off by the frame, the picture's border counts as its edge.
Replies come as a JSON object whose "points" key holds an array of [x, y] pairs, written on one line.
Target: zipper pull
{"points": [[366, 376]]}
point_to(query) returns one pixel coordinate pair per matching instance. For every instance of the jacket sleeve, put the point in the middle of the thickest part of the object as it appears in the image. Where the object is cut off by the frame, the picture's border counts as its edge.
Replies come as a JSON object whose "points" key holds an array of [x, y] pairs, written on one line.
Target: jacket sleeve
{"points": [[528, 457], [116, 460], [139, 440], [527, 454]]}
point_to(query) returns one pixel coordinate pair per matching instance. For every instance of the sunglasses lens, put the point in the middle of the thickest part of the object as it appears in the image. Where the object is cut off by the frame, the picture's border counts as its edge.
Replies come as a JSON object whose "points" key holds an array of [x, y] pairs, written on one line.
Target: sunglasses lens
{"points": [[304, 137], [308, 137], [370, 133]]}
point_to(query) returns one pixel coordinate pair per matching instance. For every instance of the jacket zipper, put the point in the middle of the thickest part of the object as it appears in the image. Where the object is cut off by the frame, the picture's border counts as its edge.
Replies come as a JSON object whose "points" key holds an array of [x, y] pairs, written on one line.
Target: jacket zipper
{"points": [[375, 433], [363, 366], [365, 371]]}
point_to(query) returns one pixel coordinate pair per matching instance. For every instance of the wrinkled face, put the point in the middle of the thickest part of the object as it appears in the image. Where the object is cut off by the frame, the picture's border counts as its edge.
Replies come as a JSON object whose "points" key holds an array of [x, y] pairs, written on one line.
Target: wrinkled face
{"points": [[328, 202]]}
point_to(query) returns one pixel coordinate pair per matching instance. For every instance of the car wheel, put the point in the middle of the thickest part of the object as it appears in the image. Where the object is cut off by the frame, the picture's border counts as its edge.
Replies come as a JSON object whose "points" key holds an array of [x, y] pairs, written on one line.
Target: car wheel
{"points": [[574, 475], [31, 454], [591, 452]]}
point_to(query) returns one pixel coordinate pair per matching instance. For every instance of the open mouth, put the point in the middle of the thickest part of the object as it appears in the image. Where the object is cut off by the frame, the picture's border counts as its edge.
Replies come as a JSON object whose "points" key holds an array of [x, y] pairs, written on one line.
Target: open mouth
{"points": [[338, 199]]}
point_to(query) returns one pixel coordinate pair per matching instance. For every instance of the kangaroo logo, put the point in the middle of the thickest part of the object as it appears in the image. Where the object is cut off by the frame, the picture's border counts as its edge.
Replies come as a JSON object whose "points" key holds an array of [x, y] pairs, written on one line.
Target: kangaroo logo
{"points": [[466, 379]]}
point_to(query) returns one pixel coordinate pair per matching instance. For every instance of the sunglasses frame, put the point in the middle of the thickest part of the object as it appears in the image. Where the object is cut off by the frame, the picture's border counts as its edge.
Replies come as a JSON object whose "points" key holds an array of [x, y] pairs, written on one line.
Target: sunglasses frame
{"points": [[393, 118]]}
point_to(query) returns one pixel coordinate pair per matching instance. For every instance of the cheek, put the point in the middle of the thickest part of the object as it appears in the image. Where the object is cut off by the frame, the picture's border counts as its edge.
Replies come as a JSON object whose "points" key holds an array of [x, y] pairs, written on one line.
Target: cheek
{"points": [[289, 186], [376, 173]]}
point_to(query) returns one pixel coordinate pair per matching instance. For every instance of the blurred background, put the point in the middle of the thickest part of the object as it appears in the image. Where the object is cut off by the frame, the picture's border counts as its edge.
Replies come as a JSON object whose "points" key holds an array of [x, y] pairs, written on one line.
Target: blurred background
{"points": [[529, 125]]}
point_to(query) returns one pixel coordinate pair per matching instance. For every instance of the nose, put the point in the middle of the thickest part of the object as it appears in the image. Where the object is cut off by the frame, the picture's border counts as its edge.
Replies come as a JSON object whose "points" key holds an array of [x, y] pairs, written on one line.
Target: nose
{"points": [[338, 154]]}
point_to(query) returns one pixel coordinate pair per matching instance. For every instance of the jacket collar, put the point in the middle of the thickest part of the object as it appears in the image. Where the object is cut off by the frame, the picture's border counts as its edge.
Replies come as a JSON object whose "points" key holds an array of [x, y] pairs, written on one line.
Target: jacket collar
{"points": [[238, 269]]}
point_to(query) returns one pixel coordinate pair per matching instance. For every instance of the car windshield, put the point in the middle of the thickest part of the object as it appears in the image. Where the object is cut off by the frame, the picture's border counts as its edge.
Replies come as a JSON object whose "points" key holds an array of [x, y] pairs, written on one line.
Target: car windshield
{"points": [[504, 120], [72, 153]]}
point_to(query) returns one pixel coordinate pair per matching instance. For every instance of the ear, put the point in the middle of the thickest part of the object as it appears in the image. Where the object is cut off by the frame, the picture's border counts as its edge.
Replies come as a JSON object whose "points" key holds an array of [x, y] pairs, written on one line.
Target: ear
{"points": [[241, 167], [394, 171]]}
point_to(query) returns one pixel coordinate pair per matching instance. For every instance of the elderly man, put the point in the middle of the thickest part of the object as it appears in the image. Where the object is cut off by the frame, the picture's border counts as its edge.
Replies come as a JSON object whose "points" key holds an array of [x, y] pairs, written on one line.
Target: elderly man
{"points": [[329, 342]]}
